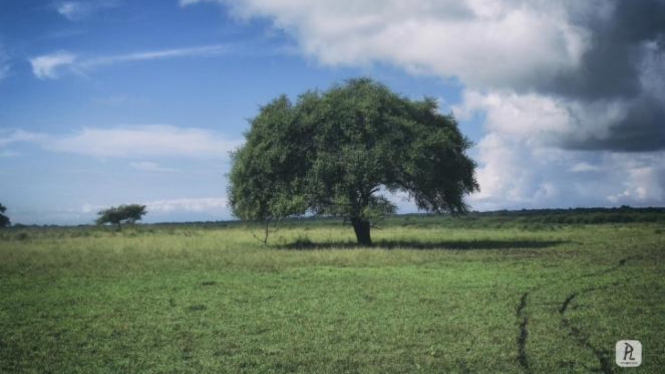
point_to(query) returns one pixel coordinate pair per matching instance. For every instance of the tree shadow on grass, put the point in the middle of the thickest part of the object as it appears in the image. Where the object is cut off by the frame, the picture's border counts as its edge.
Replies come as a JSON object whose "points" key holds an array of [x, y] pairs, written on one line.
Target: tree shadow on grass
{"points": [[456, 245]]}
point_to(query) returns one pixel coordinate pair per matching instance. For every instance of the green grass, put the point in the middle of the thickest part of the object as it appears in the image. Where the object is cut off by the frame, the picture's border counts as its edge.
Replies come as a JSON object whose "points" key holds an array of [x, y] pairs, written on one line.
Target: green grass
{"points": [[447, 296]]}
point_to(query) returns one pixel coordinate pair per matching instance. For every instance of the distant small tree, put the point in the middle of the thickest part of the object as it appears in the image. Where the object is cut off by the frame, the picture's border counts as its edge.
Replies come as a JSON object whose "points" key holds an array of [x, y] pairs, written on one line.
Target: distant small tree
{"points": [[121, 214], [4, 220]]}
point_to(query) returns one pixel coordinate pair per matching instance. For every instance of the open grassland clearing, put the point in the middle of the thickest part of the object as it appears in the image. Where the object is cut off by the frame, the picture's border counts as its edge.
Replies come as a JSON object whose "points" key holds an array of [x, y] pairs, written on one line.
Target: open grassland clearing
{"points": [[433, 295]]}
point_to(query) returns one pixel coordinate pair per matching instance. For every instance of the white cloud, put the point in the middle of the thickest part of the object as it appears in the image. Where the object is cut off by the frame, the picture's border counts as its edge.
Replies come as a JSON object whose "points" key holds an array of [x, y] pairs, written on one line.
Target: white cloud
{"points": [[522, 163], [145, 141], [206, 207], [643, 179], [71, 10], [9, 137], [132, 142], [51, 65], [539, 72], [211, 204], [190, 2], [483, 42], [151, 166], [48, 66], [17, 136], [88, 208], [78, 10], [510, 113], [208, 50], [542, 118], [521, 171], [524, 160]]}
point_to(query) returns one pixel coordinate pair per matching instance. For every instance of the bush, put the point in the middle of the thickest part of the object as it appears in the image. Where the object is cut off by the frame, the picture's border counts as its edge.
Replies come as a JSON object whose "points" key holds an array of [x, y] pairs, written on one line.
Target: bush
{"points": [[22, 236]]}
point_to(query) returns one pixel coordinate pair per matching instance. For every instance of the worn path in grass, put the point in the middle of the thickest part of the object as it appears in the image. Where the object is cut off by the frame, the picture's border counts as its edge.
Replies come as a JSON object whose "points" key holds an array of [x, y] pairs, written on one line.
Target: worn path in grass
{"points": [[427, 299]]}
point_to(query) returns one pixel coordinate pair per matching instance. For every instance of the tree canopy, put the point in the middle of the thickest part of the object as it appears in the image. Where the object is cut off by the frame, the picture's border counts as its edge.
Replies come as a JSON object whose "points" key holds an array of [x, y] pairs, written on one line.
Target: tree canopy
{"points": [[121, 214], [4, 220], [335, 152]]}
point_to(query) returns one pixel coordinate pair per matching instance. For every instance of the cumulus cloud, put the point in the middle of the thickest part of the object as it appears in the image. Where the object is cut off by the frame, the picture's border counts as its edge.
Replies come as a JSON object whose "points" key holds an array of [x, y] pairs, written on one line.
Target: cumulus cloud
{"points": [[524, 161], [490, 43], [572, 92], [515, 173], [598, 54], [51, 65], [79, 10]]}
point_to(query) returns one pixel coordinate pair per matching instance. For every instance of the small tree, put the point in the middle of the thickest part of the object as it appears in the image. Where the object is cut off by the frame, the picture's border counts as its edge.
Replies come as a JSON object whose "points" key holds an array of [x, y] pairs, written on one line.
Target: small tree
{"points": [[4, 220], [121, 214], [332, 153]]}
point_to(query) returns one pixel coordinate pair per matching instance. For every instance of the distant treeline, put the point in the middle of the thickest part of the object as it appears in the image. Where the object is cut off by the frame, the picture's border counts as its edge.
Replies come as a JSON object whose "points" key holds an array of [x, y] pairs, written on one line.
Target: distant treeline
{"points": [[622, 214], [532, 220], [535, 217], [571, 216]]}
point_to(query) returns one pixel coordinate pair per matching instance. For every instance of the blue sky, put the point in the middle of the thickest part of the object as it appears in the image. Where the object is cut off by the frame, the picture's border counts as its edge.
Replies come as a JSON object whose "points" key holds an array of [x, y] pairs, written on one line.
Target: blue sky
{"points": [[104, 102]]}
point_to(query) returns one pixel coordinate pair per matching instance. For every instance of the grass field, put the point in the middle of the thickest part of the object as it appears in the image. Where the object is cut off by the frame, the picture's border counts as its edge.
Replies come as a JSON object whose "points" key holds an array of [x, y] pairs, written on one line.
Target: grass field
{"points": [[434, 295]]}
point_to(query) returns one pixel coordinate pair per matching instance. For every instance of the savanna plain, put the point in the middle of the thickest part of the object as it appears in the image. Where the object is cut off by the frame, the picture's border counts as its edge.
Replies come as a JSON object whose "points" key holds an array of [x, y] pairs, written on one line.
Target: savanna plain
{"points": [[484, 293]]}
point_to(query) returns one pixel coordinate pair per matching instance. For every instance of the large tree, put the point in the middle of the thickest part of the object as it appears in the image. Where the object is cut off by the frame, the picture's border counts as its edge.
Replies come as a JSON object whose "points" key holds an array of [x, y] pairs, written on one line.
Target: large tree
{"points": [[4, 220], [336, 152], [121, 214]]}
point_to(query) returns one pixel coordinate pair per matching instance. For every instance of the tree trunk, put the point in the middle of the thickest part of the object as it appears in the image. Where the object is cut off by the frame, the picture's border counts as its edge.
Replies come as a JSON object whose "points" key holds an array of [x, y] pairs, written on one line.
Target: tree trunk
{"points": [[361, 228]]}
